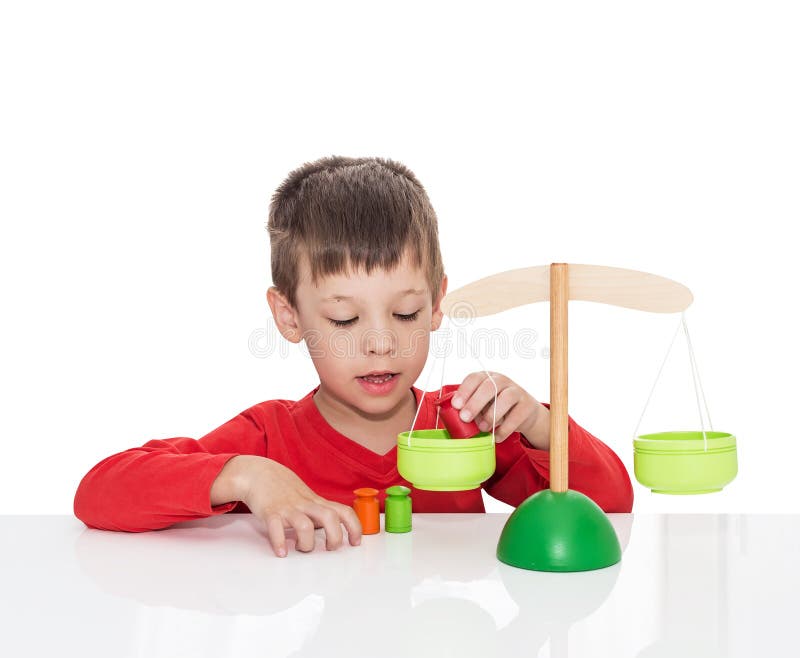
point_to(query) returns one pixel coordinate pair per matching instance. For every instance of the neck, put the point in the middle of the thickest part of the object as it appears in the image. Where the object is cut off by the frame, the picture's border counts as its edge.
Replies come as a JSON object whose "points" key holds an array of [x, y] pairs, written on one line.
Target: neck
{"points": [[354, 422]]}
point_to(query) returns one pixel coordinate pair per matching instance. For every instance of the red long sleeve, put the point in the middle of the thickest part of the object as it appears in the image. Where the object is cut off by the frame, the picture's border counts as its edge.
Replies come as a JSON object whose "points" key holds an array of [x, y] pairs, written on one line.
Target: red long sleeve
{"points": [[165, 480]]}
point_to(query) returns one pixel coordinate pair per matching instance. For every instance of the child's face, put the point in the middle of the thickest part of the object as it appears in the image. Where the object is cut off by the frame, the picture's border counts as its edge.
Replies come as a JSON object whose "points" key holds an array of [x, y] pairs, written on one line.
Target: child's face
{"points": [[358, 323]]}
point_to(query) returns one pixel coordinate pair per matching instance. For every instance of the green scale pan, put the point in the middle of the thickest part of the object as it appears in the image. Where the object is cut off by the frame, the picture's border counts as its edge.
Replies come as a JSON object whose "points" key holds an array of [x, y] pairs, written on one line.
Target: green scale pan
{"points": [[433, 460], [684, 461]]}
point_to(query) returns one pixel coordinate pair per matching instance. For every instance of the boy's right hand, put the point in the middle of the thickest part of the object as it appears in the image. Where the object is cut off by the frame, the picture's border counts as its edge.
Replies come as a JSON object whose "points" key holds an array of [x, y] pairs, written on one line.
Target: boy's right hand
{"points": [[277, 496]]}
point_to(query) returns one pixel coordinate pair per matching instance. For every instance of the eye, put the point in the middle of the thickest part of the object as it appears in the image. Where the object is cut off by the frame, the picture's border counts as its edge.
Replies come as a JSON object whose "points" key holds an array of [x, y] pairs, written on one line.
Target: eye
{"points": [[405, 318], [343, 323]]}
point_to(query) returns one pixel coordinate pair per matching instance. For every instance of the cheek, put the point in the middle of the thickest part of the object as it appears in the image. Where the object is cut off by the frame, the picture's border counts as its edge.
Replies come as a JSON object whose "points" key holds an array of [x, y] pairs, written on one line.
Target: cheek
{"points": [[415, 346], [334, 368], [330, 349], [341, 346]]}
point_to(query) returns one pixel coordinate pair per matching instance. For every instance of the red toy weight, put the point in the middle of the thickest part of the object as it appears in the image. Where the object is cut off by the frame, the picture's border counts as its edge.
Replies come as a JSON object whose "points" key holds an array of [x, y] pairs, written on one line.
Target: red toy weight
{"points": [[457, 428]]}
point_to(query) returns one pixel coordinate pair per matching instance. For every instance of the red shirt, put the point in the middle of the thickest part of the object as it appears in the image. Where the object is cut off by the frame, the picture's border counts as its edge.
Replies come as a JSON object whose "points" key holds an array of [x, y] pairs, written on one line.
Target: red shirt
{"points": [[169, 480]]}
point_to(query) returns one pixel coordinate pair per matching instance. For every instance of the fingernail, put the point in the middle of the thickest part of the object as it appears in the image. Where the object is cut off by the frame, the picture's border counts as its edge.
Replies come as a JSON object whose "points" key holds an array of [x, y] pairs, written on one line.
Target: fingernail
{"points": [[456, 402], [465, 415], [281, 552]]}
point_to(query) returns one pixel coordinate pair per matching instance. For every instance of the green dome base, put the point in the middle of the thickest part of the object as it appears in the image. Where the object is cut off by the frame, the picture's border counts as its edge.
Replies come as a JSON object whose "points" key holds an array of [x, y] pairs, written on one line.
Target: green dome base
{"points": [[558, 531]]}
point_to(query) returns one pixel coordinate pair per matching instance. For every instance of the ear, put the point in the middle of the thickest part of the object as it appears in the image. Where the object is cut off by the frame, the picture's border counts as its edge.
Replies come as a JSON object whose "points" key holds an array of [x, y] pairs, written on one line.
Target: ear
{"points": [[436, 317], [285, 315]]}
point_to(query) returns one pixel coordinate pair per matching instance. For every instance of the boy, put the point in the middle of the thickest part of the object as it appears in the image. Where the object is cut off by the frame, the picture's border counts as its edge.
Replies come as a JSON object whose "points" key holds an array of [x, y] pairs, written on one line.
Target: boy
{"points": [[358, 275]]}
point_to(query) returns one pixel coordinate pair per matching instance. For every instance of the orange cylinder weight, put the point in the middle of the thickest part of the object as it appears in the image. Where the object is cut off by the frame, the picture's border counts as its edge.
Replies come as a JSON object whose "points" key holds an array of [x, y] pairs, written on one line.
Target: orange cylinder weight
{"points": [[368, 510]]}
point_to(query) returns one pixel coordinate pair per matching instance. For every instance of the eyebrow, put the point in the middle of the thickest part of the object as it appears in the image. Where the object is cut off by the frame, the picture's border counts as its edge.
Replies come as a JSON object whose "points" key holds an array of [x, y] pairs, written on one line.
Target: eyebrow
{"points": [[402, 293]]}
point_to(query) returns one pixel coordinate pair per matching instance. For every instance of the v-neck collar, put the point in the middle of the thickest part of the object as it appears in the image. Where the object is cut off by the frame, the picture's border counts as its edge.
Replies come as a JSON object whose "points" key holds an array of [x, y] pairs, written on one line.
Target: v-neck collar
{"points": [[361, 456]]}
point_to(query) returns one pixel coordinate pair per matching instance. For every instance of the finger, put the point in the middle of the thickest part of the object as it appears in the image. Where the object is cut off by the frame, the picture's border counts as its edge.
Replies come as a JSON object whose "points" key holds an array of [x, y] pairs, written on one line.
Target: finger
{"points": [[467, 388], [351, 521], [304, 530], [510, 423], [482, 397], [276, 534], [325, 517], [506, 400], [486, 425]]}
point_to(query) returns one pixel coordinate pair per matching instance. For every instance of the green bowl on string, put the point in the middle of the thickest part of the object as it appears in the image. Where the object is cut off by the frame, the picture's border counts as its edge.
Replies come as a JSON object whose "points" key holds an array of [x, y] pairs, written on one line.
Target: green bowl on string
{"points": [[433, 461], [680, 462]]}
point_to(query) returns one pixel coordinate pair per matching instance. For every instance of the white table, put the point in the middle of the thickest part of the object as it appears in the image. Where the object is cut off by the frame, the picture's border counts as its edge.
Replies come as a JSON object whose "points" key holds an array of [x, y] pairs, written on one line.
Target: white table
{"points": [[687, 585]]}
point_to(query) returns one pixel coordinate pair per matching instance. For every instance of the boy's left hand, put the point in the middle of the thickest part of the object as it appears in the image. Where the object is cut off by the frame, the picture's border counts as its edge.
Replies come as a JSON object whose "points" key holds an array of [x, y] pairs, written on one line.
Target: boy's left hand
{"points": [[517, 410]]}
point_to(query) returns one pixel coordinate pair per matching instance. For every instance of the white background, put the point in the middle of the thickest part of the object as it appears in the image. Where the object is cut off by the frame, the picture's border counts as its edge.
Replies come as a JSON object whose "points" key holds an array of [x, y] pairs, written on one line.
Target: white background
{"points": [[140, 144]]}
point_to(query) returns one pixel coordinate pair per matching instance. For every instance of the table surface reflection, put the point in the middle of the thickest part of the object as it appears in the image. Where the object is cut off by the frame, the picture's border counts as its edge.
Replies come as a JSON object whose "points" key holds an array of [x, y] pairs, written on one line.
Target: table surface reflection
{"points": [[688, 585]]}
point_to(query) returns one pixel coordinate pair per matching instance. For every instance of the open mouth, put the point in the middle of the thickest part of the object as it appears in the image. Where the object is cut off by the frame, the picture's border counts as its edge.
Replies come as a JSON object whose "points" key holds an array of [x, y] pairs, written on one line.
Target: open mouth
{"points": [[378, 379]]}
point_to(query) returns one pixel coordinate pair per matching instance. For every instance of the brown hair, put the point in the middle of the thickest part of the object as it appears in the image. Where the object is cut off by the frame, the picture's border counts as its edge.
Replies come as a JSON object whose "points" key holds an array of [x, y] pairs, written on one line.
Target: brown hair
{"points": [[343, 214]]}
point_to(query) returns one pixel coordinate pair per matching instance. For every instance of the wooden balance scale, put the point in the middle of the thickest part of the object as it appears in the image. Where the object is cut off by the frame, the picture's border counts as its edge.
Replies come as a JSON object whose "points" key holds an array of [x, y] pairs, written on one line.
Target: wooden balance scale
{"points": [[559, 529]]}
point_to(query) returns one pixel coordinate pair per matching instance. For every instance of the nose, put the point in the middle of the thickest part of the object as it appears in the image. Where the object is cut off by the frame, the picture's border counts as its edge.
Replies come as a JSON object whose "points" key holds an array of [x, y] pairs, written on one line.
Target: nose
{"points": [[379, 341]]}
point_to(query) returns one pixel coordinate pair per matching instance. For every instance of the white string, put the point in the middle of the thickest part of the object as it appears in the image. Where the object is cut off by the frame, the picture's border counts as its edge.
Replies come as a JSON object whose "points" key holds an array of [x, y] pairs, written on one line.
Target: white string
{"points": [[494, 408], [491, 379], [696, 383], [656, 381], [422, 400], [441, 383], [695, 380], [441, 386]]}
